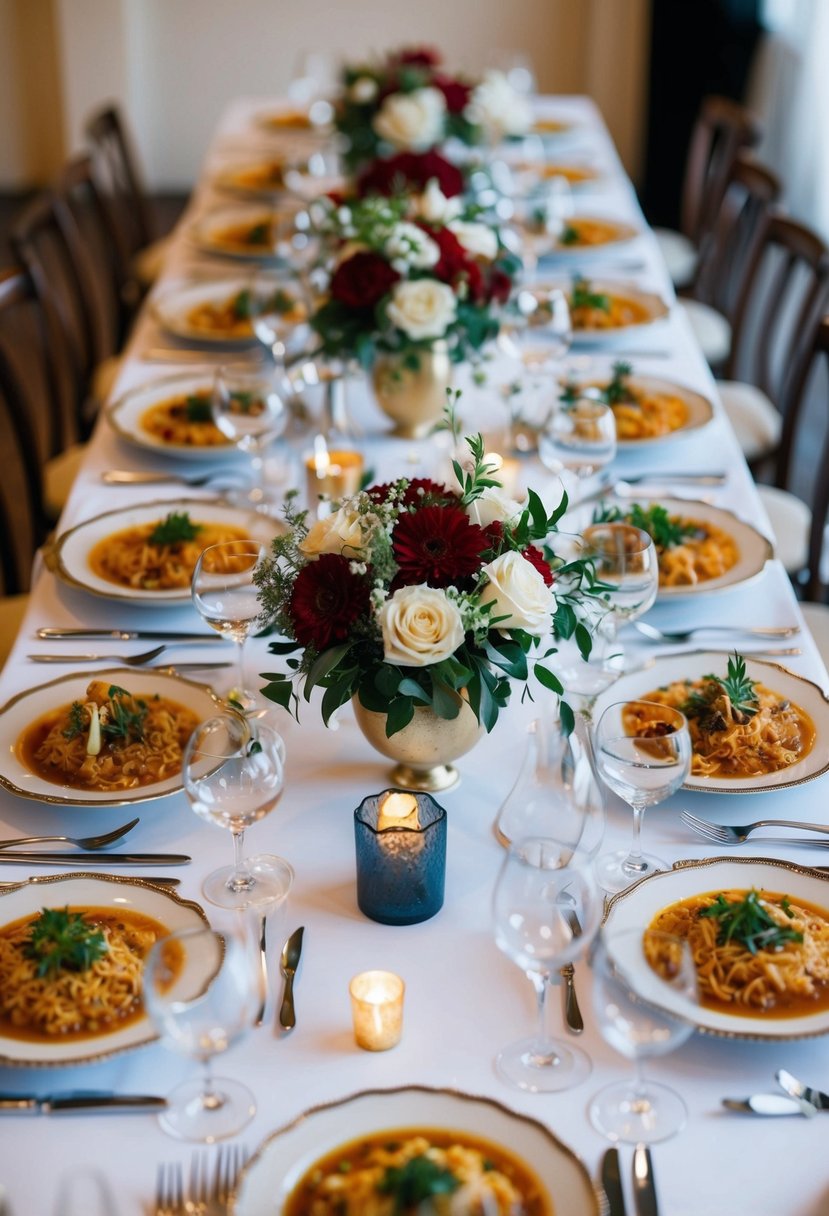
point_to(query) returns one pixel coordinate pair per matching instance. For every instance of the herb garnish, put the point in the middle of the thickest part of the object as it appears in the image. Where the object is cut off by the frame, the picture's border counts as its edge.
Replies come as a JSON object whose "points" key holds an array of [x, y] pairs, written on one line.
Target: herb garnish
{"points": [[258, 234], [737, 686], [618, 389], [75, 724], [416, 1181], [748, 922], [124, 723], [279, 302], [60, 939], [569, 235], [583, 297], [197, 409], [243, 304], [175, 529]]}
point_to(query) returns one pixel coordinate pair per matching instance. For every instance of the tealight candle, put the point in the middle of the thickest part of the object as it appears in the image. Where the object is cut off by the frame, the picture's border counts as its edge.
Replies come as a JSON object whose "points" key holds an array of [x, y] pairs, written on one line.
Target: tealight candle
{"points": [[398, 810], [400, 839], [377, 1009], [332, 474]]}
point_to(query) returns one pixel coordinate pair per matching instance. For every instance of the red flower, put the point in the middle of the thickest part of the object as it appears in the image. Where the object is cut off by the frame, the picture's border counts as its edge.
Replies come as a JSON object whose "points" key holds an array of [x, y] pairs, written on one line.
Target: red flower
{"points": [[455, 92], [455, 265], [409, 171], [536, 558], [326, 601], [417, 56], [495, 533], [419, 490], [500, 285], [438, 546], [362, 280]]}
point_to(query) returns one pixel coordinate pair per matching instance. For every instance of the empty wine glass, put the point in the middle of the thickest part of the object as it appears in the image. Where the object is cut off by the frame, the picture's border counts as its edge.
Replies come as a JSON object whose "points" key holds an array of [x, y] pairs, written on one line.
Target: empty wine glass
{"points": [[225, 593], [546, 910], [626, 563], [644, 995], [250, 412], [201, 991], [234, 775], [580, 437], [643, 754]]}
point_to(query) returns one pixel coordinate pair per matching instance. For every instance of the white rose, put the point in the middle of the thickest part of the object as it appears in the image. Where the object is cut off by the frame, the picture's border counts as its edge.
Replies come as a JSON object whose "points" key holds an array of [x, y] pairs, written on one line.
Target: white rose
{"points": [[363, 90], [519, 594], [498, 109], [433, 205], [493, 505], [413, 121], [420, 627], [345, 532], [423, 308], [477, 239], [409, 245]]}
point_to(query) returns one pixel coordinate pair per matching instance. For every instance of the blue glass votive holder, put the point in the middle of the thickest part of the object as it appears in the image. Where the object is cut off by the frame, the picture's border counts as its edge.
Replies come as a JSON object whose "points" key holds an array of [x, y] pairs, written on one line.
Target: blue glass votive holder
{"points": [[401, 857]]}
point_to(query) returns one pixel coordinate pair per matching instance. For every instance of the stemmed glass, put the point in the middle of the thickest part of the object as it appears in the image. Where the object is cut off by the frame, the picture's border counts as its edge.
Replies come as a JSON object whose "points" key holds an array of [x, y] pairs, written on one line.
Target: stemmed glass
{"points": [[200, 989], [224, 591], [626, 563], [644, 995], [250, 413], [546, 910], [234, 775], [643, 753], [580, 437]]}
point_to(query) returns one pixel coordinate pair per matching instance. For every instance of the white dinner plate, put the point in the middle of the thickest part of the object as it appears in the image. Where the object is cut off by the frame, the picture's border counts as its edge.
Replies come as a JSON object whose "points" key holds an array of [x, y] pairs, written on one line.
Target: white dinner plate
{"points": [[549, 247], [279, 1163], [125, 416], [697, 663], [206, 232], [68, 556], [636, 907], [173, 308], [655, 307], [700, 410], [26, 707], [91, 891]]}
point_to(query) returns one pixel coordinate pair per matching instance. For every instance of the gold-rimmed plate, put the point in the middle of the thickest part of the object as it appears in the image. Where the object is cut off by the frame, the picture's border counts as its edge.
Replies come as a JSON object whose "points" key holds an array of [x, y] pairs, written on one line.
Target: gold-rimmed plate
{"points": [[636, 907], [634, 312], [129, 418], [693, 665], [84, 890], [216, 312], [698, 409], [69, 556], [281, 1161], [27, 707]]}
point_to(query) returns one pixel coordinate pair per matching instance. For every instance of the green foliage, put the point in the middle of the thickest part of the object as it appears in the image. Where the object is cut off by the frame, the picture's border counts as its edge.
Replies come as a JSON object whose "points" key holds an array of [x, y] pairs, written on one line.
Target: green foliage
{"points": [[76, 723], [665, 530], [740, 690], [63, 940], [174, 530], [582, 296], [198, 409], [746, 921], [415, 1182]]}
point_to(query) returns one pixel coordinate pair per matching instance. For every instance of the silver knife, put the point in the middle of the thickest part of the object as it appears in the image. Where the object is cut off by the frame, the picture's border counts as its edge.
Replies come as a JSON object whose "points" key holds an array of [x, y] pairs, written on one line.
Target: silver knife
{"points": [[130, 635], [10, 857], [644, 1187], [796, 1089], [572, 1013], [79, 1103], [770, 1105], [263, 970], [612, 1182]]}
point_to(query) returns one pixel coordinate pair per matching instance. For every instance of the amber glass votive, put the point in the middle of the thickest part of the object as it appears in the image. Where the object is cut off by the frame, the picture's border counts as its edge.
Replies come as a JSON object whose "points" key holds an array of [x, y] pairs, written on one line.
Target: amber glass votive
{"points": [[332, 474], [400, 838], [377, 1009]]}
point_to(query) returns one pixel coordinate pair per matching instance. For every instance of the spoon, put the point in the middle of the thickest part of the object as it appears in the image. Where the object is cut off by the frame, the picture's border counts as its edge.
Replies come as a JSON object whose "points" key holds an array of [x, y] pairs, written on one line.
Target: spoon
{"points": [[288, 963]]}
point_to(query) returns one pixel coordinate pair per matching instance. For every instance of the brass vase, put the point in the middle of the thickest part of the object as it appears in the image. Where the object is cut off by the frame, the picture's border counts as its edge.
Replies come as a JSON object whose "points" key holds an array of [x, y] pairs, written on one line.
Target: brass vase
{"points": [[423, 749], [413, 397]]}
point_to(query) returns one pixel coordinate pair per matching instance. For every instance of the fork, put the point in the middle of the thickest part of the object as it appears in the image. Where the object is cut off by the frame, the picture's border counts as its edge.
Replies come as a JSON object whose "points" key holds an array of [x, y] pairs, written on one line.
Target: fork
{"points": [[684, 635], [230, 1159], [130, 660], [169, 1190], [82, 842], [125, 477], [736, 833]]}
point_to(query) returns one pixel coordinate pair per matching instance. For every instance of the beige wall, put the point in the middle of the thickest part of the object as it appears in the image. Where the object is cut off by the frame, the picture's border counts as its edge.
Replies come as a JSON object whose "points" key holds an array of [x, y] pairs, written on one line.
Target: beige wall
{"points": [[174, 64]]}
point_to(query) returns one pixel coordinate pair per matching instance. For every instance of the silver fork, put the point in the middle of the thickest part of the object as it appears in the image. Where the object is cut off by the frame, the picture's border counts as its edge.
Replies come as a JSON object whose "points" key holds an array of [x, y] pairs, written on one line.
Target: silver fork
{"points": [[684, 635], [736, 833], [125, 477], [82, 842], [198, 1186], [229, 1161], [130, 660], [169, 1190]]}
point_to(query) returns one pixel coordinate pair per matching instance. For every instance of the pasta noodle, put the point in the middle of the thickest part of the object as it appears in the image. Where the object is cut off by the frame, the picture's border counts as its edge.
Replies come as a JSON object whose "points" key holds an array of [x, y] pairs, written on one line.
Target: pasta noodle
{"points": [[131, 559], [186, 421], [621, 312], [142, 740], [584, 233], [788, 980], [233, 316], [708, 552], [70, 1004]]}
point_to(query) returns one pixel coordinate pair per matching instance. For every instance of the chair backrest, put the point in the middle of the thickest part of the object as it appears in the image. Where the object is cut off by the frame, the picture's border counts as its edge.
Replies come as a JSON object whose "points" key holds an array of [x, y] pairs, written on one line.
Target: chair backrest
{"points": [[722, 130], [24, 377], [119, 178]]}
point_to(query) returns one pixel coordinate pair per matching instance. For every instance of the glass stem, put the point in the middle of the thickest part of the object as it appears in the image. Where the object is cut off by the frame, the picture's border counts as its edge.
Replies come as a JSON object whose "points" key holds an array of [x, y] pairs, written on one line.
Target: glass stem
{"points": [[539, 982], [257, 466], [640, 1085], [634, 859], [240, 879], [210, 1099], [240, 667]]}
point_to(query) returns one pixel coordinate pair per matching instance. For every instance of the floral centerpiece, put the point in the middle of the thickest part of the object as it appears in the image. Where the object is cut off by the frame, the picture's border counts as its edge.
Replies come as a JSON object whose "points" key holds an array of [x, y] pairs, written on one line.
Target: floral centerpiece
{"points": [[406, 102], [417, 594]]}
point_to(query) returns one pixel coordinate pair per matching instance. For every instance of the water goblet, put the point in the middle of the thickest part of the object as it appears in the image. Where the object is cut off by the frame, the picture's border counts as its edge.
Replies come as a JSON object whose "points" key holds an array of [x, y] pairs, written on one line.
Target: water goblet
{"points": [[643, 754], [544, 894], [225, 593], [249, 411], [234, 775], [200, 990], [644, 996], [627, 566], [580, 437]]}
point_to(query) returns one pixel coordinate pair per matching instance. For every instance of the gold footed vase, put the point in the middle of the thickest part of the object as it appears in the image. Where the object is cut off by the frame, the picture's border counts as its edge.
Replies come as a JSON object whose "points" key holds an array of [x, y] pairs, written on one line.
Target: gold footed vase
{"points": [[414, 398], [425, 748]]}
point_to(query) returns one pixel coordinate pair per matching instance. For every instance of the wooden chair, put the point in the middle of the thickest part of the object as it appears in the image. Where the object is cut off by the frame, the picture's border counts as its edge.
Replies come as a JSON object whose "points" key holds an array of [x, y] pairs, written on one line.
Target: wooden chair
{"points": [[722, 131]]}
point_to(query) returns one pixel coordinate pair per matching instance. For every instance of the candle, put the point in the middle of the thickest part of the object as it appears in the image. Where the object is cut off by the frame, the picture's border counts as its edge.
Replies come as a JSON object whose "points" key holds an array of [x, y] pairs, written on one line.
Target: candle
{"points": [[398, 810], [377, 1009], [505, 469], [400, 840], [332, 474]]}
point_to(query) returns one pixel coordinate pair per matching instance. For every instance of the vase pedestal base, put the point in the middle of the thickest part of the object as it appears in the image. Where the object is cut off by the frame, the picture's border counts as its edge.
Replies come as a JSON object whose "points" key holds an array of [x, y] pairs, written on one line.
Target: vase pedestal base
{"points": [[425, 780]]}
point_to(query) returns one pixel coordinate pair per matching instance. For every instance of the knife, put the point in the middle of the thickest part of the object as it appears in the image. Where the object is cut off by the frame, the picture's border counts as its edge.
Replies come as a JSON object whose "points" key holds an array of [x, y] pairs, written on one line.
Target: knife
{"points": [[572, 1013], [796, 1089], [770, 1105], [79, 1103], [263, 971], [612, 1182], [9, 857], [644, 1187], [288, 963], [130, 635]]}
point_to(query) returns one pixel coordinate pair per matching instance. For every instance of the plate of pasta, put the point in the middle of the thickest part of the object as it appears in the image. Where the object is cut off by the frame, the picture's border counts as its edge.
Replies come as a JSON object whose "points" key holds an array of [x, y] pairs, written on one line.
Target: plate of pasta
{"points": [[647, 409], [246, 233], [147, 553], [261, 178], [755, 726], [85, 1003], [609, 311], [758, 929], [337, 1157], [222, 312], [105, 740], [580, 236]]}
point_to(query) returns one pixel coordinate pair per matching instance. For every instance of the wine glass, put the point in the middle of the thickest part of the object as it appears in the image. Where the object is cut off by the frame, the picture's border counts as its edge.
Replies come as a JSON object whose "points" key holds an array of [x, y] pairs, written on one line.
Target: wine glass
{"points": [[627, 566], [580, 437], [546, 910], [224, 591], [250, 413], [234, 775], [644, 994], [201, 992], [643, 754]]}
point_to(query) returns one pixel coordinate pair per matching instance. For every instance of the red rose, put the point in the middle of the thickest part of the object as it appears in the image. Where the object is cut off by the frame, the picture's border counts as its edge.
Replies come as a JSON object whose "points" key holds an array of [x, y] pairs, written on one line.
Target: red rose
{"points": [[500, 285], [362, 280], [453, 260], [438, 546], [417, 56], [455, 92], [432, 165], [326, 601], [409, 170], [536, 558]]}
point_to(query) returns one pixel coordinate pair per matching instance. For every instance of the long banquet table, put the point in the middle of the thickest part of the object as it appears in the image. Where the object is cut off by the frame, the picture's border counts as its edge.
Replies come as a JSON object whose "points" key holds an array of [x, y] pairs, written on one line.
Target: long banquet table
{"points": [[464, 998]]}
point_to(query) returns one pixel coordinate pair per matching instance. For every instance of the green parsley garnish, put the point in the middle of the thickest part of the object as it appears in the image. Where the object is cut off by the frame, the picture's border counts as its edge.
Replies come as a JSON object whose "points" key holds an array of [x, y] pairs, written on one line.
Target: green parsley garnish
{"points": [[175, 529], [197, 409], [618, 389], [75, 724], [583, 297], [569, 235], [60, 939], [243, 304], [415, 1182], [736, 685], [748, 922], [279, 302], [258, 234], [125, 722]]}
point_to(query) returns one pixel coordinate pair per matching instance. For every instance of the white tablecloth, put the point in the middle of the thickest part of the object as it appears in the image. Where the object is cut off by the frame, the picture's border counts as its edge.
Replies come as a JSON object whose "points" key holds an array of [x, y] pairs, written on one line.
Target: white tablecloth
{"points": [[464, 998]]}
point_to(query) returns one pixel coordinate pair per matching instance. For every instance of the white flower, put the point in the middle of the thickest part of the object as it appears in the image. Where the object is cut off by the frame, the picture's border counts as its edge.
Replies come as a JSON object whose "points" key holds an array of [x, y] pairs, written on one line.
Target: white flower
{"points": [[518, 594], [413, 121], [498, 109], [363, 90], [493, 505], [477, 239], [423, 308], [409, 245], [345, 532], [433, 205], [420, 626]]}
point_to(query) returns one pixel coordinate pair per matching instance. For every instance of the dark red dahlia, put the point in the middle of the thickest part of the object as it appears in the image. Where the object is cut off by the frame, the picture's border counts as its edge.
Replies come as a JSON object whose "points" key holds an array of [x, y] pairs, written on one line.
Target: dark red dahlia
{"points": [[409, 171], [419, 490], [536, 558], [326, 601], [495, 533], [438, 546], [455, 92], [362, 280]]}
